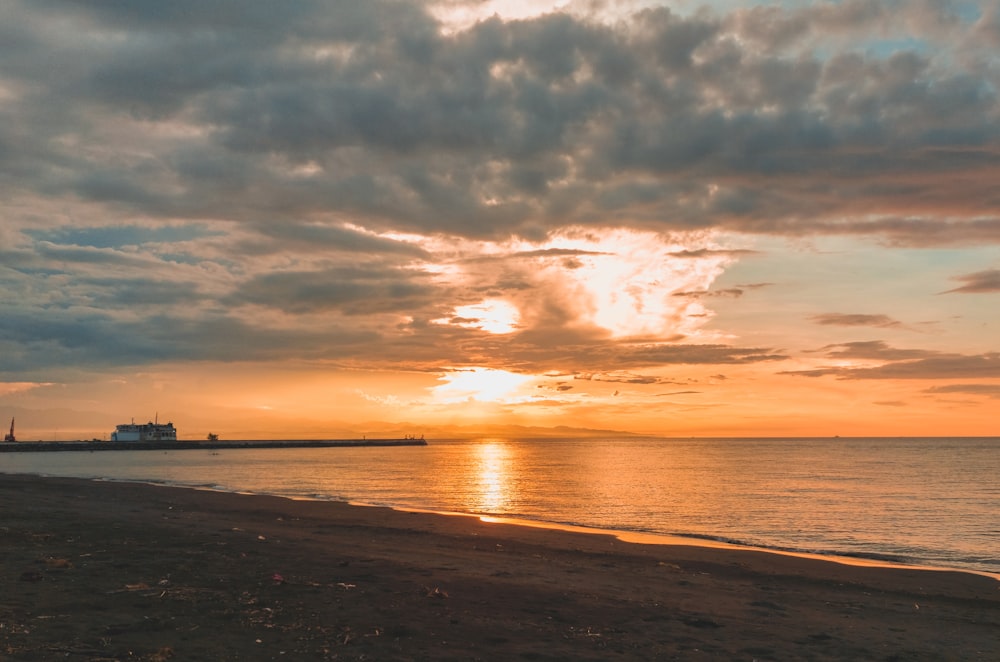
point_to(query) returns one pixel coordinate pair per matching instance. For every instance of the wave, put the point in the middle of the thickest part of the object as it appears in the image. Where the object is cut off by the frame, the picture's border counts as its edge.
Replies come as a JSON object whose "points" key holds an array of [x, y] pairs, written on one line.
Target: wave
{"points": [[916, 558]]}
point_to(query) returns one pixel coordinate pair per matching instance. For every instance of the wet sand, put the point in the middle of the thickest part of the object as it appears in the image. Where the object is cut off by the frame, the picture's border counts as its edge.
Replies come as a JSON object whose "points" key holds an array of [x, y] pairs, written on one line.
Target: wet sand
{"points": [[121, 571]]}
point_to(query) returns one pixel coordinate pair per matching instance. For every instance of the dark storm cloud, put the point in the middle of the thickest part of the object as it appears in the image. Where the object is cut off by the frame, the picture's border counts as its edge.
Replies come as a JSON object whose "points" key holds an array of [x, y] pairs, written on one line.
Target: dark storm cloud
{"points": [[371, 109]]}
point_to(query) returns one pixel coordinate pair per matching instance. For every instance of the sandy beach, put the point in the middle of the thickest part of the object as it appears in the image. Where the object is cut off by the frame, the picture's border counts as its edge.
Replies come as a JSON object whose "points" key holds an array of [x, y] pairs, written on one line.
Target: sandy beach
{"points": [[120, 571]]}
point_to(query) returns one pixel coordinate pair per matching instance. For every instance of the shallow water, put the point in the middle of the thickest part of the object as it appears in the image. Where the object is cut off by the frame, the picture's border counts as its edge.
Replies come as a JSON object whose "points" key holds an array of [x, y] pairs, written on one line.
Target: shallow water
{"points": [[926, 501]]}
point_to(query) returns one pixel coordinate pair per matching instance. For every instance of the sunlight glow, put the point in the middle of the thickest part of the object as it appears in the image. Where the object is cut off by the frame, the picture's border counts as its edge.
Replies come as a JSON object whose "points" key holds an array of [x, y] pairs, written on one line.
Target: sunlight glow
{"points": [[461, 15], [8, 388], [492, 315], [627, 282], [479, 384], [631, 283]]}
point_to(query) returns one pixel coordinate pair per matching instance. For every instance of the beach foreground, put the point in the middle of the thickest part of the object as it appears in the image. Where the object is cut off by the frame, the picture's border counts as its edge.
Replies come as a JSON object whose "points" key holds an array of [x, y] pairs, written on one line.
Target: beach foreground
{"points": [[115, 571]]}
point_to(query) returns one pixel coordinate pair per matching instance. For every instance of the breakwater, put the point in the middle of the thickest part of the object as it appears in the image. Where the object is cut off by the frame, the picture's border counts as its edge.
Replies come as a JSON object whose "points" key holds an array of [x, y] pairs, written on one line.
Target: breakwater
{"points": [[51, 446]]}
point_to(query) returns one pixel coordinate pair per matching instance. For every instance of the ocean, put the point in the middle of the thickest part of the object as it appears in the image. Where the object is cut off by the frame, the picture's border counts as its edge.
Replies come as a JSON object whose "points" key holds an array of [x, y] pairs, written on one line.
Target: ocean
{"points": [[917, 501]]}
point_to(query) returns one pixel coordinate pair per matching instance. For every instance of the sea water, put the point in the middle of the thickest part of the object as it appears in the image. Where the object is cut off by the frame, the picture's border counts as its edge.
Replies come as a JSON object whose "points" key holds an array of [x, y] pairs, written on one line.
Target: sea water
{"points": [[924, 501]]}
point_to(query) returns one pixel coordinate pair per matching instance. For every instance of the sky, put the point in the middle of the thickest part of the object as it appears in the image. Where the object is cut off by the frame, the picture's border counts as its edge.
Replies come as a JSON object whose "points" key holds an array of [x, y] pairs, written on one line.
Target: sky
{"points": [[328, 218]]}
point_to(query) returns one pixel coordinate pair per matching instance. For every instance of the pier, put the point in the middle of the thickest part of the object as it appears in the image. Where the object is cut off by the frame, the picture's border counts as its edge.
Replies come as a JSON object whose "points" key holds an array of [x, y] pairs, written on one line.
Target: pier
{"points": [[52, 446]]}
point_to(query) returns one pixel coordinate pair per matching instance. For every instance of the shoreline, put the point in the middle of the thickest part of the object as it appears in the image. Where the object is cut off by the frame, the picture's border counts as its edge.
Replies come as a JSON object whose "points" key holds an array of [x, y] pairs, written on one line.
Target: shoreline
{"points": [[647, 538], [150, 572], [669, 539], [624, 535]]}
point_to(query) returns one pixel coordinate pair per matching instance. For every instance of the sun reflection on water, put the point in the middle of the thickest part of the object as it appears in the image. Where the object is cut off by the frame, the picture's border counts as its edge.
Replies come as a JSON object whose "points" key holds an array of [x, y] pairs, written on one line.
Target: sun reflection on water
{"points": [[493, 461]]}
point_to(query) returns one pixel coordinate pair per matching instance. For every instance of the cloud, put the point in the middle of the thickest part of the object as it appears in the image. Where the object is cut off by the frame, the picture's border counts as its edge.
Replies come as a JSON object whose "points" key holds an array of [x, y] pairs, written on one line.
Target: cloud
{"points": [[327, 181], [847, 319], [138, 293], [95, 340], [698, 354], [315, 237], [987, 390], [9, 388], [979, 282], [351, 296], [88, 255], [709, 252], [356, 290], [120, 236], [915, 232], [593, 357], [557, 252], [624, 378], [904, 363], [763, 120], [731, 292], [873, 350]]}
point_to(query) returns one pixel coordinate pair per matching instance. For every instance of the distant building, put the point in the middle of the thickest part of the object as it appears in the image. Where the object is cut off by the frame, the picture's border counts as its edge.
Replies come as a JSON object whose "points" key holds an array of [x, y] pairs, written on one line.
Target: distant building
{"points": [[147, 432]]}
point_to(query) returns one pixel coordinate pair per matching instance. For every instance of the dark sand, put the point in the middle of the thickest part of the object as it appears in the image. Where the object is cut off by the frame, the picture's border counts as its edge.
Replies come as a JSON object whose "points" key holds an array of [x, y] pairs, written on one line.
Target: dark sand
{"points": [[118, 571]]}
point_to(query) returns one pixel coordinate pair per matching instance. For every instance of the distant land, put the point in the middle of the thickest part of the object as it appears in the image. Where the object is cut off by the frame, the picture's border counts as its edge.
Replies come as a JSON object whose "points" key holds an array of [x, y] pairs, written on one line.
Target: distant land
{"points": [[473, 432]]}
